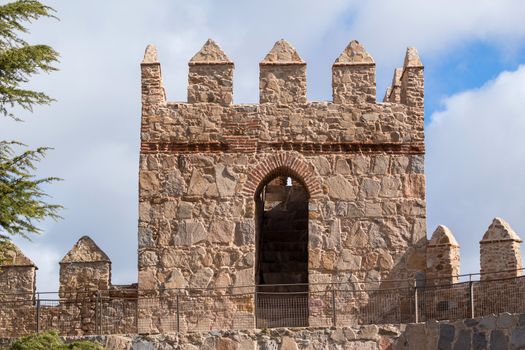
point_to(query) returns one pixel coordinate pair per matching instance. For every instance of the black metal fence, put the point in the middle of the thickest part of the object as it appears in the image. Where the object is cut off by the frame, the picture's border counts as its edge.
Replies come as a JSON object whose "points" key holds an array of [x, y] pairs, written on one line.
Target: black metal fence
{"points": [[322, 305]]}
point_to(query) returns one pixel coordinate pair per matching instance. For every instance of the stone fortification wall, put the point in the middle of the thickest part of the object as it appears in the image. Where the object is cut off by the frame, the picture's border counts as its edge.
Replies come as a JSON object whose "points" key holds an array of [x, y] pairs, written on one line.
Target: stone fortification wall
{"points": [[85, 293], [89, 304], [328, 194], [203, 164], [503, 332]]}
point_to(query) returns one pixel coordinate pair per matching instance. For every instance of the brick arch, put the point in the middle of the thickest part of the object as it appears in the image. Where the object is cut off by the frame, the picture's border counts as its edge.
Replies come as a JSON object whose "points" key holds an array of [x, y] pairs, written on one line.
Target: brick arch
{"points": [[282, 164]]}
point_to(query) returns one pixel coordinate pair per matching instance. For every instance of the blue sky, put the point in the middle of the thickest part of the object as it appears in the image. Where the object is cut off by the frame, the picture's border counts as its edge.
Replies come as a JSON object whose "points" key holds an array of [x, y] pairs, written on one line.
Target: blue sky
{"points": [[474, 64], [475, 88]]}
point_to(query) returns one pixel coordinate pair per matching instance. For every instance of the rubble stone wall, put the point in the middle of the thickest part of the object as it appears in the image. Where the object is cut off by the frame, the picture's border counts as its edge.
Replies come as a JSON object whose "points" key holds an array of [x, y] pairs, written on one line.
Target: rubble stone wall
{"points": [[202, 165], [18, 280], [505, 332]]}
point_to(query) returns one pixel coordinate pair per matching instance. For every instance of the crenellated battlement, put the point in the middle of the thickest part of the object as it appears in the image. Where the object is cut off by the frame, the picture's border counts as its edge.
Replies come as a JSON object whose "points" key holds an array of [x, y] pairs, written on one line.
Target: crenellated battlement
{"points": [[500, 254], [282, 77], [283, 119]]}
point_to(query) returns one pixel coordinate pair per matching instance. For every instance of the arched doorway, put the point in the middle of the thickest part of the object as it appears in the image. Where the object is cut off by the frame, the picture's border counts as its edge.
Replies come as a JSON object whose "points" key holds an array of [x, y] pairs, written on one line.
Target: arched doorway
{"points": [[282, 252]]}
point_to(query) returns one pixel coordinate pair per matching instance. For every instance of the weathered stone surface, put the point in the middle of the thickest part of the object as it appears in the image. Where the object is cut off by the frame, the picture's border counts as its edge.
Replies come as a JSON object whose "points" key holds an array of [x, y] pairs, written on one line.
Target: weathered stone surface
{"points": [[354, 53], [13, 256], [340, 188], [500, 251], [199, 185], [282, 52], [349, 261], [202, 278], [85, 250], [505, 320], [185, 210], [487, 322], [288, 344], [116, 342], [226, 180], [446, 336], [412, 58], [244, 233], [498, 340], [479, 340], [518, 337], [463, 340], [190, 232], [176, 280], [221, 231], [150, 54], [210, 52]]}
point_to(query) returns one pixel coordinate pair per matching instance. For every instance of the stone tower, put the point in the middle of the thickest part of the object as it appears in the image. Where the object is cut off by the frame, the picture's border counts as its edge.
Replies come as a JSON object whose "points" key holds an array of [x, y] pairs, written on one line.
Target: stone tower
{"points": [[284, 191]]}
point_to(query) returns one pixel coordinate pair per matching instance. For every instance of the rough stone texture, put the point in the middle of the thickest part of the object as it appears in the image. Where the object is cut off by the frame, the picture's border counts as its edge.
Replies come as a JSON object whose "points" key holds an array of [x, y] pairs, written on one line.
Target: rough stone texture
{"points": [[393, 93], [150, 55], [210, 76], [202, 164], [17, 273], [421, 336], [285, 191], [84, 268], [500, 255], [442, 257], [282, 76], [411, 92], [353, 76]]}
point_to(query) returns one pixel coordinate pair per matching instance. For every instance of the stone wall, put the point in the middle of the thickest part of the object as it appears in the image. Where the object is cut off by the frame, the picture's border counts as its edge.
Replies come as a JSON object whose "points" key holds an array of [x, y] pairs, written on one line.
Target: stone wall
{"points": [[90, 304], [202, 164], [83, 269], [355, 232], [443, 260], [502, 332], [85, 295], [500, 251], [17, 273]]}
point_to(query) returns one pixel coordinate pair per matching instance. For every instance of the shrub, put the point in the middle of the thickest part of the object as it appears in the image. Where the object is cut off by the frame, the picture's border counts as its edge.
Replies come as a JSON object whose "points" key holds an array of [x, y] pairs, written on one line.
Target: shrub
{"points": [[51, 341]]}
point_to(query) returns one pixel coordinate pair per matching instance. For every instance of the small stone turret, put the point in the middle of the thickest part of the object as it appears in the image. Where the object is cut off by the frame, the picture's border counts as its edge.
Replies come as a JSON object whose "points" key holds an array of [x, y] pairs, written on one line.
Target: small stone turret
{"points": [[394, 92], [443, 259], [211, 76], [500, 251], [354, 76], [84, 268], [282, 76], [17, 273], [153, 93], [412, 82]]}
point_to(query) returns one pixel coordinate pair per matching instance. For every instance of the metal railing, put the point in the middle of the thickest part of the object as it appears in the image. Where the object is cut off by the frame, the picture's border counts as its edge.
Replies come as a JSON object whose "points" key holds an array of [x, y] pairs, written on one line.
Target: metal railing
{"points": [[247, 307]]}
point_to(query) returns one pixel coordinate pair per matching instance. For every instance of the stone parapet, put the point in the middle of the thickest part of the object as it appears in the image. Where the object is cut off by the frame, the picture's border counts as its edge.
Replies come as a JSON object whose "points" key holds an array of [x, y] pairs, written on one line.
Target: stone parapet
{"points": [[282, 78], [354, 76], [504, 331], [83, 269], [17, 273], [500, 254], [443, 259], [210, 76]]}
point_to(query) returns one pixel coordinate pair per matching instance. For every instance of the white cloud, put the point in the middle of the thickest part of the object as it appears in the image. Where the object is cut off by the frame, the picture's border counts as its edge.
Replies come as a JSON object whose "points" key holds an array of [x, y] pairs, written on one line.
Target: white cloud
{"points": [[476, 162], [437, 27]]}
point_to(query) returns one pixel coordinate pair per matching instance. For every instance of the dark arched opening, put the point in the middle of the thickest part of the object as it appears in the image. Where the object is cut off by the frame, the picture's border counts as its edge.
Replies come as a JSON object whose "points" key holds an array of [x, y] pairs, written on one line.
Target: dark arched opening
{"points": [[282, 251]]}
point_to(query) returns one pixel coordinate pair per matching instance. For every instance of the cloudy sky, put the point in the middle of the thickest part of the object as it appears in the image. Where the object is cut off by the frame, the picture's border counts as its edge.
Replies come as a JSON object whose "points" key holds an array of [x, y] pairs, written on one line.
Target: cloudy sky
{"points": [[474, 56]]}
